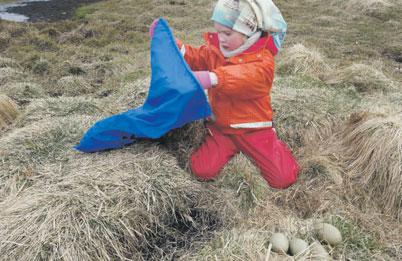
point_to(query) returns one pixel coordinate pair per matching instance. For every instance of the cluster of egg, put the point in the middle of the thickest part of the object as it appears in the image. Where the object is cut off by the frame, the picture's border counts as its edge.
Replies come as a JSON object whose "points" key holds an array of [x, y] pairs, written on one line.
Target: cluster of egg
{"points": [[326, 233]]}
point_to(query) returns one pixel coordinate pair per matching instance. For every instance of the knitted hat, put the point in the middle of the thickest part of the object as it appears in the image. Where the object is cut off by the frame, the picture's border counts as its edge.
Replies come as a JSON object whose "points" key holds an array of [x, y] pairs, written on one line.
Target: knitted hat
{"points": [[237, 15], [249, 16]]}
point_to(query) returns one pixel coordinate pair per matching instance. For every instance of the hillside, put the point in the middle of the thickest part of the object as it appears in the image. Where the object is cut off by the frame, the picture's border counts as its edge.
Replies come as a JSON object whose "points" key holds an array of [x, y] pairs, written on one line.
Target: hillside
{"points": [[337, 98]]}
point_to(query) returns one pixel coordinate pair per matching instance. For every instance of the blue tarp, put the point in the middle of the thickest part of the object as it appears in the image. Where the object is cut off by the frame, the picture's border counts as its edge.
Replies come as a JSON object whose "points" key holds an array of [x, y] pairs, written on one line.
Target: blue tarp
{"points": [[175, 98]]}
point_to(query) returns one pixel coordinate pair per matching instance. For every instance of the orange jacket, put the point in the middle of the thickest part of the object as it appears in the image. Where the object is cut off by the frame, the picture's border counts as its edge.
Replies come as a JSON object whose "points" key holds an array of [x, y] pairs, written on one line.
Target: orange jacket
{"points": [[241, 100]]}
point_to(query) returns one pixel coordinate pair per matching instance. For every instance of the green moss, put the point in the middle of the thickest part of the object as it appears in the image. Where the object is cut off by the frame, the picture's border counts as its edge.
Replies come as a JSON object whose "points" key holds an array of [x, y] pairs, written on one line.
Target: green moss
{"points": [[83, 11], [356, 244], [135, 75], [41, 67]]}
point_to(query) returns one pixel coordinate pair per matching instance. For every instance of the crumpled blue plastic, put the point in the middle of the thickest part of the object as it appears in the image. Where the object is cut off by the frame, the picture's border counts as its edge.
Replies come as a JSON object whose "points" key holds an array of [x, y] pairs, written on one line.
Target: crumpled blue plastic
{"points": [[175, 98]]}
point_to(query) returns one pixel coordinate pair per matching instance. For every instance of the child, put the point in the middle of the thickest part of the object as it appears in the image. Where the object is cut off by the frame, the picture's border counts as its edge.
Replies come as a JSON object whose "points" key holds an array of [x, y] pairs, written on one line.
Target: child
{"points": [[236, 67]]}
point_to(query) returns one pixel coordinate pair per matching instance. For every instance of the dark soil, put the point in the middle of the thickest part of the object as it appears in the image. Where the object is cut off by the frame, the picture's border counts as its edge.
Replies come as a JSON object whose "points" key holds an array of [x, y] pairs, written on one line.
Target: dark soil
{"points": [[50, 11]]}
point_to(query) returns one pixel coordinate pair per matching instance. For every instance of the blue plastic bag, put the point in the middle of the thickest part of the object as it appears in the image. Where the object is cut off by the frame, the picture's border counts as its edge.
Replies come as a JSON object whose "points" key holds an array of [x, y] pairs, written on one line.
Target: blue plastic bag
{"points": [[175, 98]]}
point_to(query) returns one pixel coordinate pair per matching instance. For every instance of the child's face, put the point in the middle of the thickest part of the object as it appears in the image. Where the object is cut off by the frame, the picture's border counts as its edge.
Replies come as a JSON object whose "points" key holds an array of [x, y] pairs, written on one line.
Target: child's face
{"points": [[229, 39]]}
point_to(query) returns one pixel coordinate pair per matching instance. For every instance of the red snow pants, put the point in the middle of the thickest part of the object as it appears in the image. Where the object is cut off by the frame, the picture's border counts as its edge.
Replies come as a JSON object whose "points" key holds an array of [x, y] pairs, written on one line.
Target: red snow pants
{"points": [[274, 159]]}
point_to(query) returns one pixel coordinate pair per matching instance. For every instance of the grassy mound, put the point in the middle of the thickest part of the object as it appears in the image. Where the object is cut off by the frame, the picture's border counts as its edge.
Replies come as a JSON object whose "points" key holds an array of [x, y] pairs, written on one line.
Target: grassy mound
{"points": [[23, 91], [48, 108], [182, 142], [8, 74], [140, 202], [364, 78], [130, 95], [325, 190], [299, 101], [25, 152], [299, 59], [72, 86], [8, 111], [130, 204], [375, 159]]}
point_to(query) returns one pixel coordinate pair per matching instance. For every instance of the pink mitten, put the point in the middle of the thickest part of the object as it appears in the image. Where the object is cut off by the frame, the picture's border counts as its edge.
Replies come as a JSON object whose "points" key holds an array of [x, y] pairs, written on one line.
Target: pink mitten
{"points": [[152, 27], [204, 78]]}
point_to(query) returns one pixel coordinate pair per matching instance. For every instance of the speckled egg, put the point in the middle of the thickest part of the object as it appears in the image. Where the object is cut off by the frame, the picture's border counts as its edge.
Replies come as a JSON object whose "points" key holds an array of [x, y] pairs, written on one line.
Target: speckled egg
{"points": [[318, 252], [297, 246], [280, 243], [328, 233]]}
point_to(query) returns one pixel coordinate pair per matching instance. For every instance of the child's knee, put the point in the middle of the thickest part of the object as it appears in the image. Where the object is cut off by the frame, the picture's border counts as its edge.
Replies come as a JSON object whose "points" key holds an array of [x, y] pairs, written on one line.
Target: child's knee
{"points": [[281, 180], [202, 170]]}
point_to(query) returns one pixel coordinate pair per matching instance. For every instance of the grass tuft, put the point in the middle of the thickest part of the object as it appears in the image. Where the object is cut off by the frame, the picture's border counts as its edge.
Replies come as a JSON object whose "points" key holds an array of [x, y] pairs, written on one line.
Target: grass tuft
{"points": [[300, 59], [364, 78], [375, 159], [72, 86], [8, 111]]}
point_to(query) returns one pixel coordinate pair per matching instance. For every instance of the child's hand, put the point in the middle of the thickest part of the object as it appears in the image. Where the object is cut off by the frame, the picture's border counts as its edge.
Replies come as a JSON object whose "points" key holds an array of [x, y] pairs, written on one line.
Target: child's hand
{"points": [[204, 78], [152, 27]]}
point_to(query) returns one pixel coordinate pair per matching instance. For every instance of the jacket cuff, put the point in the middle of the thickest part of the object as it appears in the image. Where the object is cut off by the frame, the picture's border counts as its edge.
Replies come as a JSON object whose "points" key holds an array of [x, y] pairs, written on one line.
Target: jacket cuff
{"points": [[220, 78], [213, 78]]}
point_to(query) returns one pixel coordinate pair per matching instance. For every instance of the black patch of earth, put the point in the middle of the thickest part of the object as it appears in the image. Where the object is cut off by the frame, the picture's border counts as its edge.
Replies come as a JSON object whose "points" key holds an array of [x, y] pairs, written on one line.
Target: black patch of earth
{"points": [[395, 55], [50, 11]]}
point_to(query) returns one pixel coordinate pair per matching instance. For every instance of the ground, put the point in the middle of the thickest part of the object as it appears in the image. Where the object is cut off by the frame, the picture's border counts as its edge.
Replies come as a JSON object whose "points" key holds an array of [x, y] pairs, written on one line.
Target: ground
{"points": [[336, 96]]}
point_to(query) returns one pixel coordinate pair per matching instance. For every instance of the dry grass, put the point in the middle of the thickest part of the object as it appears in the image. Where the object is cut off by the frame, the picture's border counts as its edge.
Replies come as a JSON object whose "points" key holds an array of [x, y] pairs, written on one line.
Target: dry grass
{"points": [[8, 62], [299, 101], [48, 108], [8, 74], [131, 94], [327, 186], [127, 204], [8, 111], [365, 78], [366, 5], [72, 86], [26, 151], [375, 158], [303, 60], [23, 91], [139, 202], [249, 240], [182, 142]]}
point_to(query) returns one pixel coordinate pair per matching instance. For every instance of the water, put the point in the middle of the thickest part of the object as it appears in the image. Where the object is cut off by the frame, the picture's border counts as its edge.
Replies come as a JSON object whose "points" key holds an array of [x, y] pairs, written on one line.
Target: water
{"points": [[5, 15], [41, 10]]}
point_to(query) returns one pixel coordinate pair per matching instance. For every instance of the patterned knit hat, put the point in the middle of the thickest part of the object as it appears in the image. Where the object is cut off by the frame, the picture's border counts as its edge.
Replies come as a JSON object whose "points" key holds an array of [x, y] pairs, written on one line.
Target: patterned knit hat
{"points": [[237, 15], [249, 16]]}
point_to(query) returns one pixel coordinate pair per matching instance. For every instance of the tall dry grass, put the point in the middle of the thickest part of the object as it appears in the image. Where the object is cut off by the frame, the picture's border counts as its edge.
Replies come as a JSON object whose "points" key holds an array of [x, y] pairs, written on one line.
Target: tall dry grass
{"points": [[365, 78], [361, 154], [138, 203], [71, 86], [299, 59], [130, 204], [8, 111], [372, 154], [27, 151], [53, 108], [367, 5], [8, 62], [9, 74], [22, 91]]}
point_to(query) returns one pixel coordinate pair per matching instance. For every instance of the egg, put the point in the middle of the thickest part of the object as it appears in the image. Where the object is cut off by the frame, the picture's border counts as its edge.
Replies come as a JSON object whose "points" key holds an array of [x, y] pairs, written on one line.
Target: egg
{"points": [[318, 252], [280, 243], [297, 246], [328, 233]]}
